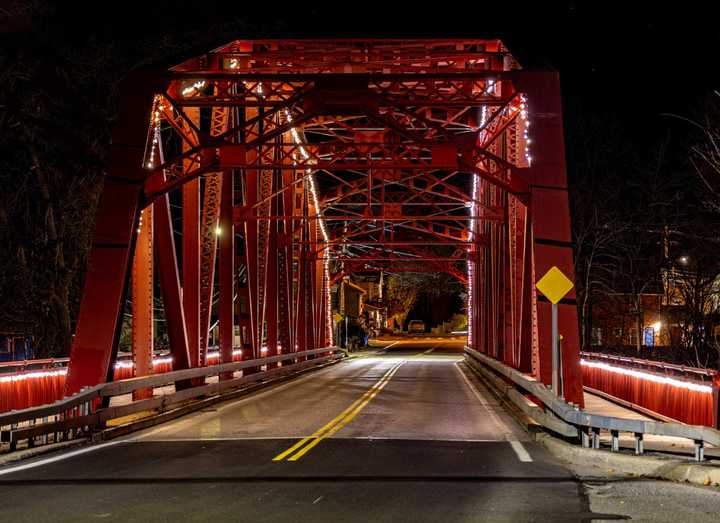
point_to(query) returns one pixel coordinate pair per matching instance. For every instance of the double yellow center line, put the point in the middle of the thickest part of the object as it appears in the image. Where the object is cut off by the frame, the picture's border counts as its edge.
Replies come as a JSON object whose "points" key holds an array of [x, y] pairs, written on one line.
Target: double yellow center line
{"points": [[303, 446]]}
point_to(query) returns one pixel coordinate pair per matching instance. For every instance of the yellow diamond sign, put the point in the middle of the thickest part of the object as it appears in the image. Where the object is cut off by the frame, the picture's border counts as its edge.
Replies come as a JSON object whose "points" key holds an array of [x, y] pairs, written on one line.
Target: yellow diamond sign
{"points": [[554, 285]]}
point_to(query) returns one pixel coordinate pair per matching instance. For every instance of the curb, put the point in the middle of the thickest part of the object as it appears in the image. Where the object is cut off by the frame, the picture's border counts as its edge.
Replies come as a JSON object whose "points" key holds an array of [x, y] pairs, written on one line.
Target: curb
{"points": [[23, 454], [647, 466], [654, 467]]}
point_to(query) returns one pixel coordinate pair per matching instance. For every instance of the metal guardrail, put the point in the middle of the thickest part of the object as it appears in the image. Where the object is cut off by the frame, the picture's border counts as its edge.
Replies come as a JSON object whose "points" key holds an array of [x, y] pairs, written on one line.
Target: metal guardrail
{"points": [[80, 414], [585, 424], [23, 365]]}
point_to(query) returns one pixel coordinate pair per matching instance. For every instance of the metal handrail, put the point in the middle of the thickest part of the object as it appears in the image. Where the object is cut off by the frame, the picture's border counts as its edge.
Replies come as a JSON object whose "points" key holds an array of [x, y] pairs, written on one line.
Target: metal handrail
{"points": [[586, 422], [78, 411], [22, 365], [28, 363], [651, 363]]}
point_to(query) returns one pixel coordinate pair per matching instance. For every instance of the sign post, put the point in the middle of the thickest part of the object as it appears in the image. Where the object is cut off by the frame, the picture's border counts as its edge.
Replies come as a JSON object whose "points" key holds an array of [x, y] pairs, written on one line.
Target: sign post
{"points": [[555, 286]]}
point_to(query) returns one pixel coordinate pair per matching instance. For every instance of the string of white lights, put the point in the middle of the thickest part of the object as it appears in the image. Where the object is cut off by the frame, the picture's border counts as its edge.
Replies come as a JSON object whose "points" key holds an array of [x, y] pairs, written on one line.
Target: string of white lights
{"points": [[216, 354], [194, 88], [655, 378], [155, 116], [470, 263], [33, 375], [310, 177], [62, 372], [525, 127]]}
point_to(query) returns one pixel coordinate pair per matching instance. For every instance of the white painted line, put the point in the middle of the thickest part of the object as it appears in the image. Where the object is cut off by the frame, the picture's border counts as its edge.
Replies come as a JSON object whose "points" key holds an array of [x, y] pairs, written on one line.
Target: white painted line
{"points": [[518, 447], [386, 347], [54, 459], [522, 454], [503, 428]]}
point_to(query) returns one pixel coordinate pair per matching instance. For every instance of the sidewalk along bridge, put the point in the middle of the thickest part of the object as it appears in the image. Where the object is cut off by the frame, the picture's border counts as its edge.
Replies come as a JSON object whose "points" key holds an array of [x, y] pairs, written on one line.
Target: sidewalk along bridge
{"points": [[663, 390], [298, 161]]}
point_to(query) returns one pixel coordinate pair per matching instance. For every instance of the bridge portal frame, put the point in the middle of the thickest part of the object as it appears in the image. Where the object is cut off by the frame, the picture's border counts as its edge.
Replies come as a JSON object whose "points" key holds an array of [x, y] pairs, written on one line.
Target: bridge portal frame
{"points": [[447, 121]]}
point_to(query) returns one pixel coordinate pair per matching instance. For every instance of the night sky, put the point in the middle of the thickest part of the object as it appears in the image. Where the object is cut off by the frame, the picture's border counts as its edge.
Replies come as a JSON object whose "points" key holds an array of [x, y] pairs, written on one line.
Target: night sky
{"points": [[634, 58], [645, 57]]}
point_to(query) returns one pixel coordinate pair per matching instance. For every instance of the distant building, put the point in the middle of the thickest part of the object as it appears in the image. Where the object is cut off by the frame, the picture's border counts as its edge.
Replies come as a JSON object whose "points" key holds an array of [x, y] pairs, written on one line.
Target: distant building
{"points": [[16, 347]]}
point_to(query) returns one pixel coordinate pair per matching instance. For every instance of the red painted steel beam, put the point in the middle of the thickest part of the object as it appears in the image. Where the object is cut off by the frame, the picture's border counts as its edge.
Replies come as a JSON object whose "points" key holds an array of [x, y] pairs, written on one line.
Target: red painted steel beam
{"points": [[271, 291], [167, 270], [226, 272], [551, 226], [142, 302], [191, 267], [406, 128], [99, 320]]}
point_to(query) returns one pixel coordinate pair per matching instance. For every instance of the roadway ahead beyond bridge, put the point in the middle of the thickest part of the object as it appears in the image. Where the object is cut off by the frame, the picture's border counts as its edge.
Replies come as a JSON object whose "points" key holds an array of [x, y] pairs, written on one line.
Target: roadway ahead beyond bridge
{"points": [[403, 434]]}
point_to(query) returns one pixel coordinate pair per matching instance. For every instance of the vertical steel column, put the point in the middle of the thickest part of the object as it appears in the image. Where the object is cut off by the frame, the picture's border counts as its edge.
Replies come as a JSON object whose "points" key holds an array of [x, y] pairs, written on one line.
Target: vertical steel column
{"points": [[303, 318], [271, 291], [551, 225], [167, 270], [191, 267], [251, 260], [142, 302], [208, 233], [209, 230], [528, 315], [226, 274], [191, 253], [716, 402], [286, 332]]}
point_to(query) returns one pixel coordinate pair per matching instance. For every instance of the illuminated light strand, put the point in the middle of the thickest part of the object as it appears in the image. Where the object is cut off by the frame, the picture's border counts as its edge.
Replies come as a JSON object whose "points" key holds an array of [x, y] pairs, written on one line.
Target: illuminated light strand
{"points": [[33, 375], [321, 222], [216, 354], [526, 125], [470, 263], [196, 87], [155, 116], [655, 378], [491, 89], [62, 372], [155, 361], [235, 64]]}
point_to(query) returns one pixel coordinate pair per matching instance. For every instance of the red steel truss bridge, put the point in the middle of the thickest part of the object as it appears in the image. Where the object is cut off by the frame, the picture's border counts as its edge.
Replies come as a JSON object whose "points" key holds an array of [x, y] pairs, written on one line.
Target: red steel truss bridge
{"points": [[296, 162]]}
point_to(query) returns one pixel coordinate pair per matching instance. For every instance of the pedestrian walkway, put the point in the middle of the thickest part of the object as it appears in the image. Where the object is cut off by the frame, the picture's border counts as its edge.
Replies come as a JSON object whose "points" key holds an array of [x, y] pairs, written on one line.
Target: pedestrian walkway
{"points": [[598, 405]]}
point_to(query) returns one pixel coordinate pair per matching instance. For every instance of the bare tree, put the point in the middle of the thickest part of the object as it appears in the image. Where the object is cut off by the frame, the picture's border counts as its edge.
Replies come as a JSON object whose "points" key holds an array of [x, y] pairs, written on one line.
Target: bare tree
{"points": [[402, 293], [57, 106]]}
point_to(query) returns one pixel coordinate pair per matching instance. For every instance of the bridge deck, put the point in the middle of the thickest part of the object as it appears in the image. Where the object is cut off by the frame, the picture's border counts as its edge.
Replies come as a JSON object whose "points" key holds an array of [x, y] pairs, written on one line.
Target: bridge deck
{"points": [[409, 437]]}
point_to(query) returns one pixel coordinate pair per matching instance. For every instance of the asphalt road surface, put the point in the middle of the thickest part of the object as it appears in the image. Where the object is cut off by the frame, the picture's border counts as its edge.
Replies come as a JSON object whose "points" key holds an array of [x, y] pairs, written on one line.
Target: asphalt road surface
{"points": [[404, 434]]}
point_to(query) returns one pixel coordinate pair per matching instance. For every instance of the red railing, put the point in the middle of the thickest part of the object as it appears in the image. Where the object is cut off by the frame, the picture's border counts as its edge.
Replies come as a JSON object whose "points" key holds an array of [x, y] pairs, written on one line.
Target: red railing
{"points": [[686, 394], [30, 383]]}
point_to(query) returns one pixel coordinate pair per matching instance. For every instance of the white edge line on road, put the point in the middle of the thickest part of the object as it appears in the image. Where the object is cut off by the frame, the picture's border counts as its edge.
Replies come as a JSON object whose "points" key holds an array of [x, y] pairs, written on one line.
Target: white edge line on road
{"points": [[519, 449], [386, 347], [60, 457], [522, 454]]}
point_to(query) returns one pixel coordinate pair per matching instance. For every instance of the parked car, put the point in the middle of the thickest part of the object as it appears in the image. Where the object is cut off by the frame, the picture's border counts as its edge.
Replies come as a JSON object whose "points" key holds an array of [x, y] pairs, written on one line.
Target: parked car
{"points": [[416, 326]]}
